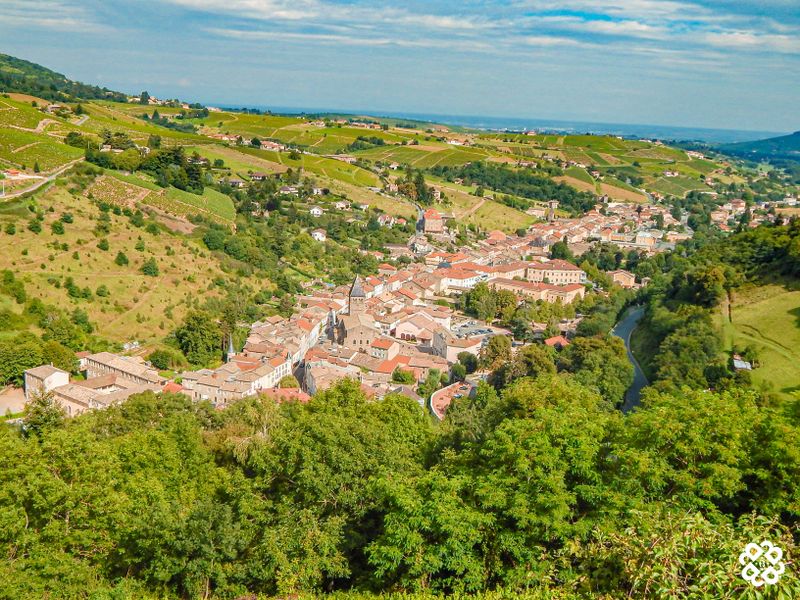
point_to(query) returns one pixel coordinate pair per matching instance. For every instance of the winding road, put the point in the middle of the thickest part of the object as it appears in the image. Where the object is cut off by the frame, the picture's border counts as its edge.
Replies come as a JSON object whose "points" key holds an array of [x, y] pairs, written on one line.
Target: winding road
{"points": [[623, 329], [40, 182]]}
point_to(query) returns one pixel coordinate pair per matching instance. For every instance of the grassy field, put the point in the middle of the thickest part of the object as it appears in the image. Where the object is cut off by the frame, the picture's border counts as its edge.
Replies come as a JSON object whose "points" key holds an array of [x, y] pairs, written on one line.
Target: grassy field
{"points": [[138, 307], [488, 214], [22, 148], [768, 317], [131, 189], [327, 167]]}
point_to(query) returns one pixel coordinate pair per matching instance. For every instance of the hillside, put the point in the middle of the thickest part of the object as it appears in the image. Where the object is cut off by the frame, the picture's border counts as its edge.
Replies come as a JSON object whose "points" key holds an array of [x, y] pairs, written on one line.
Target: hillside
{"points": [[133, 306], [767, 318], [24, 77], [784, 147]]}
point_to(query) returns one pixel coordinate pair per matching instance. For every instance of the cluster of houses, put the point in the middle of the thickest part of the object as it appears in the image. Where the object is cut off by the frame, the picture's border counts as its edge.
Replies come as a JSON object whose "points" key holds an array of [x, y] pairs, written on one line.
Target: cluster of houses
{"points": [[394, 321], [644, 227], [108, 379]]}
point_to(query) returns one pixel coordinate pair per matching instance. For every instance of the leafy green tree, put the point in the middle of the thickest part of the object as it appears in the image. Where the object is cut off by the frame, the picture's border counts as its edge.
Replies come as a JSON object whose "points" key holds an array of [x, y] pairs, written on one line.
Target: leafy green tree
{"points": [[531, 361], [469, 360], [403, 376], [17, 355], [150, 267], [289, 381], [58, 355], [121, 259], [199, 338], [601, 363], [496, 352], [103, 245], [42, 413]]}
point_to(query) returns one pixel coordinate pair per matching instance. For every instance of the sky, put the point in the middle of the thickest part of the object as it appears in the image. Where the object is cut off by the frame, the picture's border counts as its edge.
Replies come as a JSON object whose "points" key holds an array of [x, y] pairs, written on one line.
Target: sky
{"points": [[706, 63]]}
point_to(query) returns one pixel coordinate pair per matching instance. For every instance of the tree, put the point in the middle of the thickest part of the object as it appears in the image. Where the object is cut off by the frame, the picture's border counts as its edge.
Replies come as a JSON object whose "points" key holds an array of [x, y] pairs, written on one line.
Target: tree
{"points": [[164, 359], [199, 338], [150, 267], [16, 356], [534, 360], [601, 363], [36, 168], [481, 302], [469, 360], [103, 245], [144, 98], [121, 259], [402, 376], [560, 250], [58, 355], [289, 381], [496, 352], [458, 372], [35, 226], [42, 413], [57, 227]]}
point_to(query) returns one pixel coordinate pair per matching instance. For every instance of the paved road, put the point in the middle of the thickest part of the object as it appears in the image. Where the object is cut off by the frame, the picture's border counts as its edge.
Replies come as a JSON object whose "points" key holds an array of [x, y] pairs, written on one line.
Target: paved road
{"points": [[623, 330], [41, 182]]}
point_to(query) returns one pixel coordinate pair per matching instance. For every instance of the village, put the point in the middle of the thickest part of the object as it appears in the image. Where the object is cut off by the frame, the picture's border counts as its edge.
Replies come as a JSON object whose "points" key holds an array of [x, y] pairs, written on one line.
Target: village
{"points": [[393, 330]]}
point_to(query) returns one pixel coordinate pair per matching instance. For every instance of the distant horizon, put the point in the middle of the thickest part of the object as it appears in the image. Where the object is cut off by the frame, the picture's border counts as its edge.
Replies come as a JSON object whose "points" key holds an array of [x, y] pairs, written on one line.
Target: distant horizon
{"points": [[495, 123], [724, 66]]}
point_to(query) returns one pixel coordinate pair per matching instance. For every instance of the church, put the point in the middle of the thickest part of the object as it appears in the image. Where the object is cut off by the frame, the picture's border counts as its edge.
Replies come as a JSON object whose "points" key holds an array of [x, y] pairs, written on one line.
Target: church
{"points": [[356, 329]]}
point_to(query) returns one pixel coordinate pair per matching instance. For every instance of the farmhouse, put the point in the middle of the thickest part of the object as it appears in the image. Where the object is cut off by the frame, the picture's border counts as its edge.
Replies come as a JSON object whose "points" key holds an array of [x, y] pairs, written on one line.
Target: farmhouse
{"points": [[432, 221]]}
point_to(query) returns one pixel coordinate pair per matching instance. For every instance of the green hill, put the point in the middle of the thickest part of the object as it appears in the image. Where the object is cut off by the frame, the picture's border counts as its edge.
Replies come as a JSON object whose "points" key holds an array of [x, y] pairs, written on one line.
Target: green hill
{"points": [[25, 77], [785, 146]]}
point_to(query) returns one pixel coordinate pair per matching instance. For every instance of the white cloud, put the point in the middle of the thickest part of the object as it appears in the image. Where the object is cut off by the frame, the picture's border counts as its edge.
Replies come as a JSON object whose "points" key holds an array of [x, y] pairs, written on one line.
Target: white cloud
{"points": [[750, 40], [49, 14]]}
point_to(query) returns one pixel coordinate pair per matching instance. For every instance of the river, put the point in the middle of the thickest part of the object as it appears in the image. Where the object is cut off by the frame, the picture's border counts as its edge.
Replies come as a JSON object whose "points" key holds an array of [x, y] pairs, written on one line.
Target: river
{"points": [[623, 330]]}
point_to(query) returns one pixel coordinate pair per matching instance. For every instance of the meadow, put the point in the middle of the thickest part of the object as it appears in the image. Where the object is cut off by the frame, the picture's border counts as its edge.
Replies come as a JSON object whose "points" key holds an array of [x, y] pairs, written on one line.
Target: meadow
{"points": [[768, 317]]}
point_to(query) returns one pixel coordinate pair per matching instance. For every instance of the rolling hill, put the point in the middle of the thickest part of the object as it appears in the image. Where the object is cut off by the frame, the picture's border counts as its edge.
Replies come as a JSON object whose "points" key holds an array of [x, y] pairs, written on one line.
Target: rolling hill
{"points": [[783, 147], [24, 77]]}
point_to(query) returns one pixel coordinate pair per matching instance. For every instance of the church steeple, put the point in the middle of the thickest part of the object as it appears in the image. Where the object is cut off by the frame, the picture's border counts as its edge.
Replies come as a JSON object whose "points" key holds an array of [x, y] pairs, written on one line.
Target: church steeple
{"points": [[357, 296]]}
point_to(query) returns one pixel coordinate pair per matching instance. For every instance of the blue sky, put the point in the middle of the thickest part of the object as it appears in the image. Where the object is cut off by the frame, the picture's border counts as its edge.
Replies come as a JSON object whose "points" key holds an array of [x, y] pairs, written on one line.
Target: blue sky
{"points": [[709, 63]]}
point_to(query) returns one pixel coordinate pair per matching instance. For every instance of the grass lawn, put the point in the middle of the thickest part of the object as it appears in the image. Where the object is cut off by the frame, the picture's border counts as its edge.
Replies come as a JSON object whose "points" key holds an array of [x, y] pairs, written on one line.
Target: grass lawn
{"points": [[768, 317]]}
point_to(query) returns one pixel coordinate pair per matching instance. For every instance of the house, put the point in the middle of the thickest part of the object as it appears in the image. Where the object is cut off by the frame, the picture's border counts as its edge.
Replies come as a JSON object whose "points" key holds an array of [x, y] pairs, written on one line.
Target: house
{"points": [[235, 182], [317, 191], [385, 220], [448, 346], [558, 342], [559, 272], [384, 348], [316, 211], [342, 205], [43, 379], [432, 221], [259, 176], [289, 190], [132, 369], [623, 278], [320, 235]]}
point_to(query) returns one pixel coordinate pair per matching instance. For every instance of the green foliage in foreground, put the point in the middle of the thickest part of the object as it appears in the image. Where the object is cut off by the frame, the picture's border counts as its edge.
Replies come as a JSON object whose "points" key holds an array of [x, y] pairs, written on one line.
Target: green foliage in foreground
{"points": [[541, 490]]}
